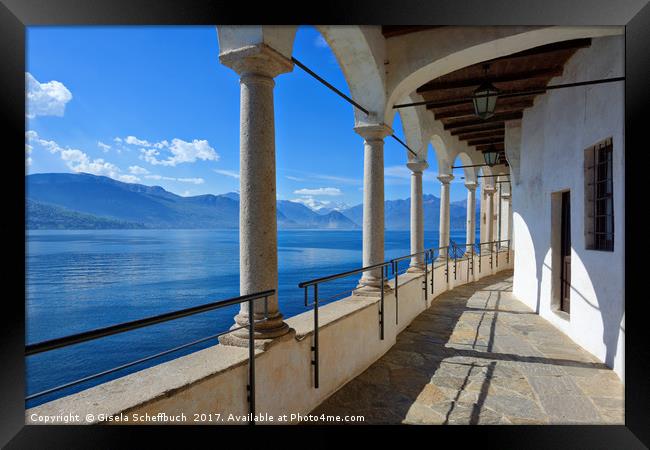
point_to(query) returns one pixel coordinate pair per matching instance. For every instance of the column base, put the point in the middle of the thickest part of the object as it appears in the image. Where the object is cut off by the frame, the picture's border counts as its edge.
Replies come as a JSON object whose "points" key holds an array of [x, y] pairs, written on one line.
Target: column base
{"points": [[261, 344], [371, 288], [264, 332], [416, 269]]}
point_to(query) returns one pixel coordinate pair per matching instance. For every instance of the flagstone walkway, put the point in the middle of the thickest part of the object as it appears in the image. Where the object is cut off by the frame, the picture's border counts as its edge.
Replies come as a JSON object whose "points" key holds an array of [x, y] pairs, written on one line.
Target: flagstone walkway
{"points": [[479, 356]]}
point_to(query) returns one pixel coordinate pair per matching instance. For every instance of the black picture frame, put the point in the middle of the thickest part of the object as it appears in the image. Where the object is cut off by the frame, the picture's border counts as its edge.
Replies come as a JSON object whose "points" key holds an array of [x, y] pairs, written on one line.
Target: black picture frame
{"points": [[15, 15]]}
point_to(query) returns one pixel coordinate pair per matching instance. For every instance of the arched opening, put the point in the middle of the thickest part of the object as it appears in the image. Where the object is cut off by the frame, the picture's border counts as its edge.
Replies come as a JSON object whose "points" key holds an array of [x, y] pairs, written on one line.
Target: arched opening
{"points": [[460, 196]]}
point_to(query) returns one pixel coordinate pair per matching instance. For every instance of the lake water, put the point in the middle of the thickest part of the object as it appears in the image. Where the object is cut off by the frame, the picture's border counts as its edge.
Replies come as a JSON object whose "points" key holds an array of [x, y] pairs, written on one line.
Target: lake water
{"points": [[81, 280]]}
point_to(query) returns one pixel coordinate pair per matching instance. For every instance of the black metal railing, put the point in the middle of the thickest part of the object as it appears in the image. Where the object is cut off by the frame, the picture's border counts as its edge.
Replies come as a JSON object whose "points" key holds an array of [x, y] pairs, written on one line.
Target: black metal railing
{"points": [[453, 252], [53, 344]]}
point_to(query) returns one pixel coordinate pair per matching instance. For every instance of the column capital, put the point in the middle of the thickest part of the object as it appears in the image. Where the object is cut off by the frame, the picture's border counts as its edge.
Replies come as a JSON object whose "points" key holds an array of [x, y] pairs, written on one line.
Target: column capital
{"points": [[257, 59], [373, 132], [489, 190], [445, 178], [471, 186], [417, 166]]}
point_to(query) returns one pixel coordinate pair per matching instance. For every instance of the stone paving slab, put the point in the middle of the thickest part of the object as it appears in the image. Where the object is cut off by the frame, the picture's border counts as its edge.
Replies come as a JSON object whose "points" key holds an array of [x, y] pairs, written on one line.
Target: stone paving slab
{"points": [[480, 356]]}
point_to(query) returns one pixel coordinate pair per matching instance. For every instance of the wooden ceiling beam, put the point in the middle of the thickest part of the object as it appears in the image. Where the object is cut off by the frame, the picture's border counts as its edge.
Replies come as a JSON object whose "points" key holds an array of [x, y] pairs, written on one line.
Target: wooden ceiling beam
{"points": [[508, 77], [477, 121], [486, 141], [500, 108], [548, 49], [467, 101], [480, 127], [390, 31], [482, 134], [484, 147]]}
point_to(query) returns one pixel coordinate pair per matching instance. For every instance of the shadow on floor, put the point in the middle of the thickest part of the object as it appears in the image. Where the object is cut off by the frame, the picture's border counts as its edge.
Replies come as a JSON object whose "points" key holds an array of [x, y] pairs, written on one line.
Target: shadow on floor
{"points": [[445, 367]]}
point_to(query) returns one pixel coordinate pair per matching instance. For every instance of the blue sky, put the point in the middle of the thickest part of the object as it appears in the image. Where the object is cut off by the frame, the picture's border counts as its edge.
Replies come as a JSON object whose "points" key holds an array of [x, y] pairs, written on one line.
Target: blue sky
{"points": [[153, 105]]}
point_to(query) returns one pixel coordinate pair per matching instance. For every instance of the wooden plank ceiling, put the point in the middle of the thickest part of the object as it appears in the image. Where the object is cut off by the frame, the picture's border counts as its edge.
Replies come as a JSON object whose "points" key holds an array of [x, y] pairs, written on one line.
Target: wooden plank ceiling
{"points": [[390, 31], [528, 70]]}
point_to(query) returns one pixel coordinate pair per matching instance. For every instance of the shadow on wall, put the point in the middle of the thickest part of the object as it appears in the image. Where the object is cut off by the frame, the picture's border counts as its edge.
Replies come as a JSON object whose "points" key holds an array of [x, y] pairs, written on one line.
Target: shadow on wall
{"points": [[611, 319], [610, 310], [525, 246]]}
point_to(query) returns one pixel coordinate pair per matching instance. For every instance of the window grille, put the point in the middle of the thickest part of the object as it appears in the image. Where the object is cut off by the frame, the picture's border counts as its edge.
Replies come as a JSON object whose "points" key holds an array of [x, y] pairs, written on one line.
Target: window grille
{"points": [[599, 198]]}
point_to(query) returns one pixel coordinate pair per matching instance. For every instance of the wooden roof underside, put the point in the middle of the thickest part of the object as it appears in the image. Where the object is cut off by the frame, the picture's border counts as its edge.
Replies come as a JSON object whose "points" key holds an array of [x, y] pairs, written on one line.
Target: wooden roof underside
{"points": [[523, 71]]}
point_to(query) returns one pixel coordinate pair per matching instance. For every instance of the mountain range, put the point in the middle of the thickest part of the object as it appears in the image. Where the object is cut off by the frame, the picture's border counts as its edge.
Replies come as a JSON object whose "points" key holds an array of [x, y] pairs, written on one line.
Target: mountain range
{"points": [[85, 201]]}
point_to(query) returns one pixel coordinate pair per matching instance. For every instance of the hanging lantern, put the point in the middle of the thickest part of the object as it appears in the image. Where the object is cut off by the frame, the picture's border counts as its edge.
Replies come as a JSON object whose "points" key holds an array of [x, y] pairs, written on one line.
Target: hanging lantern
{"points": [[491, 155], [485, 98]]}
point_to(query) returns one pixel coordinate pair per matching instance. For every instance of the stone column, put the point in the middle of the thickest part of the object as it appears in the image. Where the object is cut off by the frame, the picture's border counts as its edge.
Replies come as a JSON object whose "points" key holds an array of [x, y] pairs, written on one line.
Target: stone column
{"points": [[506, 215], [489, 215], [373, 205], [417, 215], [445, 179], [471, 216], [258, 255]]}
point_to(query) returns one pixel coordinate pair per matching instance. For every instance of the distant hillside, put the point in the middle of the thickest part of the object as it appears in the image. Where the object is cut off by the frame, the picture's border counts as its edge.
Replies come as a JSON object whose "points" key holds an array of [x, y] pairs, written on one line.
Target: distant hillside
{"points": [[78, 201], [101, 201], [398, 213], [49, 217]]}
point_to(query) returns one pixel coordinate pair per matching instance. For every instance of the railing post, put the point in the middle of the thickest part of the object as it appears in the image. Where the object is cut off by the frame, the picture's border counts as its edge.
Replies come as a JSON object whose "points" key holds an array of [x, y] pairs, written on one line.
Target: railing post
{"points": [[315, 347], [472, 253], [426, 275], [395, 270], [455, 260], [491, 255], [381, 311], [447, 264], [251, 363], [433, 270]]}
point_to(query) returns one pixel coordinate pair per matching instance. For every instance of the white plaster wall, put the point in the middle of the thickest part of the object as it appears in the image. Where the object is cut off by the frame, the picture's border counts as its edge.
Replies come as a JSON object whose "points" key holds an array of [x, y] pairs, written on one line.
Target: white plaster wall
{"points": [[554, 134]]}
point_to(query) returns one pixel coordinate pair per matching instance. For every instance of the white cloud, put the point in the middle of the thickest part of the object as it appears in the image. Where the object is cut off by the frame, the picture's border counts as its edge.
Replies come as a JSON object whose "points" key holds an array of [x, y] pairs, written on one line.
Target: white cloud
{"points": [[317, 205], [132, 140], [404, 173], [104, 147], [320, 41], [337, 179], [28, 151], [78, 161], [180, 180], [137, 170], [228, 173], [191, 180], [319, 191], [45, 99], [117, 140], [128, 178], [182, 152], [397, 172], [311, 202]]}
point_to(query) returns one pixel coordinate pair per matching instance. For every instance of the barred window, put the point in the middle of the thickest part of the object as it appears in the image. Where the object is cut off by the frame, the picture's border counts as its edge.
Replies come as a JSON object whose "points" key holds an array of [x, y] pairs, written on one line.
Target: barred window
{"points": [[599, 199]]}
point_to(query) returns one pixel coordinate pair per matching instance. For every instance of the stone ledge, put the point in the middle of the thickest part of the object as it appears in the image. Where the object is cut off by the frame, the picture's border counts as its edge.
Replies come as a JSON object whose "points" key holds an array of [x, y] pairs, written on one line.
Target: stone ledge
{"points": [[146, 385], [329, 314]]}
